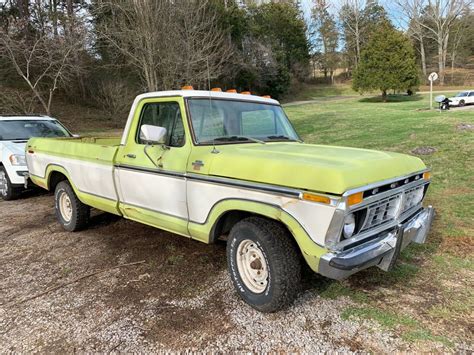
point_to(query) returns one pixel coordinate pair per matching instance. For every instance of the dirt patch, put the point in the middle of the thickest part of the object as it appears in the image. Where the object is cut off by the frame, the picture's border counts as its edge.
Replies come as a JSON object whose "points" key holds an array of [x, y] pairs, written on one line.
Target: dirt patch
{"points": [[424, 150], [460, 246], [465, 127]]}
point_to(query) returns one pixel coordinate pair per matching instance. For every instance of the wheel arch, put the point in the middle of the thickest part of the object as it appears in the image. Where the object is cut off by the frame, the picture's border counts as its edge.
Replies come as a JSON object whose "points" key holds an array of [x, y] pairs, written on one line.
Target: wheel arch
{"points": [[54, 175], [226, 213]]}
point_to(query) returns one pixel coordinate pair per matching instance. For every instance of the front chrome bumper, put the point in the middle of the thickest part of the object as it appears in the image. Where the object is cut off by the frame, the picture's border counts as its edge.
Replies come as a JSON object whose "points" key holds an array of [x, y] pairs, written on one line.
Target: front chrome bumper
{"points": [[382, 252]]}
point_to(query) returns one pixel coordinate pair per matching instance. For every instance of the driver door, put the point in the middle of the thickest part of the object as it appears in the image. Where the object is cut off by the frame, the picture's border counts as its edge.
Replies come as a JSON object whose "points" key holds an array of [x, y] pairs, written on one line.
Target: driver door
{"points": [[150, 179]]}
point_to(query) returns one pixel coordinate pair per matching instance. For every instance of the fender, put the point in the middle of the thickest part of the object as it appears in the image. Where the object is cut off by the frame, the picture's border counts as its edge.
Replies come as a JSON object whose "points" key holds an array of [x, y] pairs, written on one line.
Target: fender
{"points": [[310, 250]]}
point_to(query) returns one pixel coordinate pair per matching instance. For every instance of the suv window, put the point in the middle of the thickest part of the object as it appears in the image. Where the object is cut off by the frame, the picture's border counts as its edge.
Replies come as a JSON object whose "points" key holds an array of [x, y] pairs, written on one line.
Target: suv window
{"points": [[167, 115], [471, 93]]}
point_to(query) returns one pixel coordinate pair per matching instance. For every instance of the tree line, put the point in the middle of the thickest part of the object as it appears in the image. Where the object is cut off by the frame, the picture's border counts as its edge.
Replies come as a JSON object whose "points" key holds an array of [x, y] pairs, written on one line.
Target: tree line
{"points": [[440, 31], [103, 52]]}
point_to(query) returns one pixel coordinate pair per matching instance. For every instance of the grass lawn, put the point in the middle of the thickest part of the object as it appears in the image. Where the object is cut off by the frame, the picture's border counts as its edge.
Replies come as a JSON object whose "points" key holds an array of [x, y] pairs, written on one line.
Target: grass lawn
{"points": [[430, 295], [311, 92], [315, 92]]}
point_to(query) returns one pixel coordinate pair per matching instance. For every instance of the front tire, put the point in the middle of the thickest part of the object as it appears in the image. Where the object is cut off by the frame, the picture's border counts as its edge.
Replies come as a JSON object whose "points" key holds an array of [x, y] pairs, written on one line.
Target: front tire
{"points": [[7, 191], [71, 213], [462, 103], [264, 264]]}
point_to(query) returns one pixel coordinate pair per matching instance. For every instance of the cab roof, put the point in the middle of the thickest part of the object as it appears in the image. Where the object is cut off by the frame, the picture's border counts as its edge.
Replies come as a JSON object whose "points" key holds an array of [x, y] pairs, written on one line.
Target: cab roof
{"points": [[207, 94], [25, 118]]}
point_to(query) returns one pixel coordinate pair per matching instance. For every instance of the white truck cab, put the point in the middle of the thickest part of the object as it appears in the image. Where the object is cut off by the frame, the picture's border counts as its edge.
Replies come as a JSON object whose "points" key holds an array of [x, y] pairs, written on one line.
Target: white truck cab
{"points": [[14, 133]]}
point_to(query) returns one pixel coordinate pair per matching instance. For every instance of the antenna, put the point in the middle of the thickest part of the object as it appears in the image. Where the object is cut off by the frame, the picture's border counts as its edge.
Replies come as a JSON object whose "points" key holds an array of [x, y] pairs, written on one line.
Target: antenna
{"points": [[214, 150]]}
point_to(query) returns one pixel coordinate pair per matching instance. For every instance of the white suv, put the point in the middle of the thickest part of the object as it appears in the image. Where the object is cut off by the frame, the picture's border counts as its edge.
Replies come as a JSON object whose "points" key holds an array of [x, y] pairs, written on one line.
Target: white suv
{"points": [[463, 98], [14, 133]]}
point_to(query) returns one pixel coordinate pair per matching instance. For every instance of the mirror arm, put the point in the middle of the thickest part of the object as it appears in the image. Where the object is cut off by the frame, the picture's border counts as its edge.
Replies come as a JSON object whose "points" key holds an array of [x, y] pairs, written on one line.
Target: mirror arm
{"points": [[150, 158]]}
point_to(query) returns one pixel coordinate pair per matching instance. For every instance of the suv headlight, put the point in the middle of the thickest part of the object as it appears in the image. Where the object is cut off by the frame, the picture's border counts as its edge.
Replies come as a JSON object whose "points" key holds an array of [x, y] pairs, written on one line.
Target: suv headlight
{"points": [[17, 159]]}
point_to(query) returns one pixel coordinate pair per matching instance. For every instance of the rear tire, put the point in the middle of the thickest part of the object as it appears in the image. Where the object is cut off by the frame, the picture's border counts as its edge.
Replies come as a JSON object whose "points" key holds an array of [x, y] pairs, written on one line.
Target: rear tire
{"points": [[264, 264], [7, 191], [71, 213]]}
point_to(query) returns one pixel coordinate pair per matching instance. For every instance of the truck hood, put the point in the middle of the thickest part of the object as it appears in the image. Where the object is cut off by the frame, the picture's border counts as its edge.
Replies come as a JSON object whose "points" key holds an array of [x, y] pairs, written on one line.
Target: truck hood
{"points": [[14, 147], [320, 168]]}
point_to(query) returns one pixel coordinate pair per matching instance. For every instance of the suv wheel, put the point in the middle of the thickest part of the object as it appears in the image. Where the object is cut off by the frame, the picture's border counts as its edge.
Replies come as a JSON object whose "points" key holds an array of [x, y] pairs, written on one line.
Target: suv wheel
{"points": [[264, 264], [462, 103], [71, 213], [7, 191]]}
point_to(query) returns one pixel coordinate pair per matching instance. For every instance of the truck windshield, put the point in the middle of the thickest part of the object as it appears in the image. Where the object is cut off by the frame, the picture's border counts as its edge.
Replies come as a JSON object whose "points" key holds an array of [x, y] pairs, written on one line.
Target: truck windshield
{"points": [[220, 121], [25, 129]]}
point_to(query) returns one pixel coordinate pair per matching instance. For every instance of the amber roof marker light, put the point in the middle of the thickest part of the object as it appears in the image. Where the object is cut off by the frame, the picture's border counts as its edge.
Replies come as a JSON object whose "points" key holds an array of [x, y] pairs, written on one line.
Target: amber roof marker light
{"points": [[187, 87], [232, 91]]}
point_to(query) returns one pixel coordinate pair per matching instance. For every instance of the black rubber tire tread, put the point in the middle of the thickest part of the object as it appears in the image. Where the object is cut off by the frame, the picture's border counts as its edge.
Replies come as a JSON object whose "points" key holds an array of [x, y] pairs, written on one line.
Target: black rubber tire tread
{"points": [[462, 103], [80, 211], [284, 262], [12, 192]]}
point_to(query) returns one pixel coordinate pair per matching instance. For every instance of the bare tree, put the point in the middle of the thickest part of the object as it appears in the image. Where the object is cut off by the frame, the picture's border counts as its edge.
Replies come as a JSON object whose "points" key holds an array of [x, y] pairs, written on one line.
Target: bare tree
{"points": [[327, 37], [439, 18], [16, 101], [413, 17], [351, 17], [114, 97], [458, 35], [43, 61], [168, 42]]}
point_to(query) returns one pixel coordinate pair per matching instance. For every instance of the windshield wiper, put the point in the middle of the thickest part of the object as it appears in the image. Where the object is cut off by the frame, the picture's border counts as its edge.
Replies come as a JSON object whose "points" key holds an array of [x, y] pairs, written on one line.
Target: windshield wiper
{"points": [[284, 137], [235, 138]]}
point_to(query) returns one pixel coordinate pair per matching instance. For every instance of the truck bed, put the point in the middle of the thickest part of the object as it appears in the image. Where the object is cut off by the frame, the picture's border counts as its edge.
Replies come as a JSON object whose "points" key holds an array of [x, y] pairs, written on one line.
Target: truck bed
{"points": [[88, 162]]}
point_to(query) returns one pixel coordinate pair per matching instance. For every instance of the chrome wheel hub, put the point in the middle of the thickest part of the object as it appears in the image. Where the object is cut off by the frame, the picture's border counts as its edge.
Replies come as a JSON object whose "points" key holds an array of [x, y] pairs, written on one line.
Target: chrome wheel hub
{"points": [[65, 206], [3, 183], [252, 266]]}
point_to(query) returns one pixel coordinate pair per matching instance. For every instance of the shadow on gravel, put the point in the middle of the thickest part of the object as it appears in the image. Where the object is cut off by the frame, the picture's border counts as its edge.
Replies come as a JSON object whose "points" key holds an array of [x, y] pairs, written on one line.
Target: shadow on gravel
{"points": [[34, 192], [102, 219]]}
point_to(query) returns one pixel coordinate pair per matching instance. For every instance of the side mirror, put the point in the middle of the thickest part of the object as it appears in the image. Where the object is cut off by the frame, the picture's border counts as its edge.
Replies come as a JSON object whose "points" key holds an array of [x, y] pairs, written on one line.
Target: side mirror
{"points": [[152, 134]]}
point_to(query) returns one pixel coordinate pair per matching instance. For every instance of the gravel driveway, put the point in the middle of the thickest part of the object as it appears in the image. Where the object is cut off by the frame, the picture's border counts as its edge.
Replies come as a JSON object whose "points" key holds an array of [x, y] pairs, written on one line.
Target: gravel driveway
{"points": [[63, 292]]}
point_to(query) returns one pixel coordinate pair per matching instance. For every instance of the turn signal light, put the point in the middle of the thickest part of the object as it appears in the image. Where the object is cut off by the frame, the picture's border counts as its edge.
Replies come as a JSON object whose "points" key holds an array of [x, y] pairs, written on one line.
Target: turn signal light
{"points": [[216, 89], [245, 93], [187, 87], [427, 175], [356, 198], [232, 91], [316, 198]]}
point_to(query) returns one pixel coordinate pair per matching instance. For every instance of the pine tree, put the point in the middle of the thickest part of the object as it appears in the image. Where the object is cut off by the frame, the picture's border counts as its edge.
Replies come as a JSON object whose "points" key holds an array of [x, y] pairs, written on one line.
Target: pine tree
{"points": [[387, 62]]}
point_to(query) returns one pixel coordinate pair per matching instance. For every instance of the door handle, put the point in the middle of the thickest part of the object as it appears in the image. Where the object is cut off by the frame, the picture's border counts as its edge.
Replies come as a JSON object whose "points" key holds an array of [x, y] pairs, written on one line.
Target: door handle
{"points": [[133, 156]]}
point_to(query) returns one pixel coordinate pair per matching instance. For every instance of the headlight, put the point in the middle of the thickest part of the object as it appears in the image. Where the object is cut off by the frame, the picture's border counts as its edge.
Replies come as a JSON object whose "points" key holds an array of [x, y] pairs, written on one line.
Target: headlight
{"points": [[349, 226], [17, 159]]}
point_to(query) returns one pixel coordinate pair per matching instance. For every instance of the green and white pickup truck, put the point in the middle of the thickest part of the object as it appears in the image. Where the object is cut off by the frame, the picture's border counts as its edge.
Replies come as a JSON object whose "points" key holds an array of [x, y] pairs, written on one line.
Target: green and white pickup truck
{"points": [[214, 165]]}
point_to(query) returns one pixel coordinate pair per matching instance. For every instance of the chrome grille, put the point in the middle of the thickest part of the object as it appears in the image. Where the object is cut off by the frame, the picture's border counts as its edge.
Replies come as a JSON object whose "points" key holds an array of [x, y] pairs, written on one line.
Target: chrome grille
{"points": [[381, 212]]}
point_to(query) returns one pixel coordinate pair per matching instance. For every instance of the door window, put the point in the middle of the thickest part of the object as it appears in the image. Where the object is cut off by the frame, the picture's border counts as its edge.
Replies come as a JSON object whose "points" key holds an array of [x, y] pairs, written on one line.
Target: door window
{"points": [[167, 115]]}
